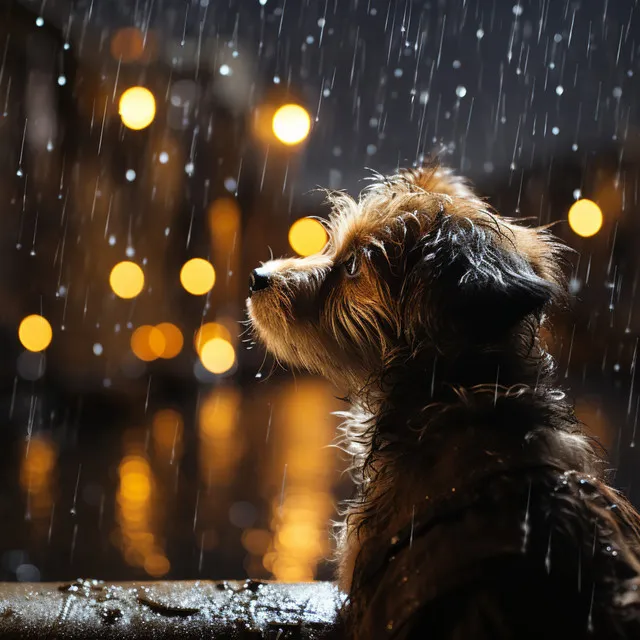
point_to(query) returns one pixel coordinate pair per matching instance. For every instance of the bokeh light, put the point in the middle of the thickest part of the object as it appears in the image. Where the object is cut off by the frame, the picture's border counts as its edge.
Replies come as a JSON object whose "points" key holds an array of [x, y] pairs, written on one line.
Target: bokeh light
{"points": [[173, 340], [148, 343], [127, 44], [217, 355], [137, 516], [37, 471], [291, 124], [307, 236], [35, 333], [209, 331], [167, 430], [585, 218], [126, 279], [137, 108], [197, 276]]}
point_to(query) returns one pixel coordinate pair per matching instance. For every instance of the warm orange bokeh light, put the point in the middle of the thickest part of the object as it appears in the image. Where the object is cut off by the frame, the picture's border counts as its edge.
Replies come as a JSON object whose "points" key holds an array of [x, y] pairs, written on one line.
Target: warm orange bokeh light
{"points": [[291, 124], [307, 236], [136, 517], [197, 276], [173, 340], [585, 218], [148, 343], [127, 44], [209, 331], [137, 108], [35, 333], [167, 432], [126, 279], [217, 355]]}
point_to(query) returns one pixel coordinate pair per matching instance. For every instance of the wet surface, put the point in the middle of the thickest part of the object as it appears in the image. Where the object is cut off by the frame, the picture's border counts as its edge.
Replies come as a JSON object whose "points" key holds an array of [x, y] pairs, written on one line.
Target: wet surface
{"points": [[94, 609]]}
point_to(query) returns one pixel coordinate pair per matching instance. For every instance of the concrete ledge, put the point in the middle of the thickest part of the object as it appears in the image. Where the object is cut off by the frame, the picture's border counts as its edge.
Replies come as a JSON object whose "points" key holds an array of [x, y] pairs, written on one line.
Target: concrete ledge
{"points": [[93, 609]]}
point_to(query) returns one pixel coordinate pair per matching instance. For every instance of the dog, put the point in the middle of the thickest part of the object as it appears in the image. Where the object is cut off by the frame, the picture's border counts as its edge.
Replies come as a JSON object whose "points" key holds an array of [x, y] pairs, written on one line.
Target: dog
{"points": [[482, 510]]}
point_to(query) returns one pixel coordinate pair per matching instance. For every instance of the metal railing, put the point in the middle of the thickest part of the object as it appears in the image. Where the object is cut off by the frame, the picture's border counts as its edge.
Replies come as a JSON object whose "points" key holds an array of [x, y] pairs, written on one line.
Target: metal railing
{"points": [[89, 608]]}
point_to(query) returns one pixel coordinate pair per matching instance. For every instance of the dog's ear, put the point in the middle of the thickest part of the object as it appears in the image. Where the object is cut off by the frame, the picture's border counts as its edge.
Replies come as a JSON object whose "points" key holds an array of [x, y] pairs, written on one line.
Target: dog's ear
{"points": [[487, 275]]}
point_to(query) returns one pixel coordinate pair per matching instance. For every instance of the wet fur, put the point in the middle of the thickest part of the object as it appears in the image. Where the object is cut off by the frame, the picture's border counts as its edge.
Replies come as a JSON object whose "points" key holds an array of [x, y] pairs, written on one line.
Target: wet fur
{"points": [[426, 307]]}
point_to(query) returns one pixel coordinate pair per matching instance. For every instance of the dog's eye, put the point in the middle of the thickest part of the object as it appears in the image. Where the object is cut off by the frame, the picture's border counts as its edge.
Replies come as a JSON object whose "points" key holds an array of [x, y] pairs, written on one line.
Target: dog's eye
{"points": [[351, 265]]}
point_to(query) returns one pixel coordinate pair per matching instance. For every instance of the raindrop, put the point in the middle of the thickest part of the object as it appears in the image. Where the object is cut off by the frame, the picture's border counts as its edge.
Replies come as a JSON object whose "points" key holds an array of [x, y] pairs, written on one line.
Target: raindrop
{"points": [[456, 64], [577, 194], [617, 92], [66, 46], [574, 147], [488, 167], [337, 151], [557, 37], [112, 240], [480, 34], [326, 92], [559, 89], [461, 91], [371, 149], [163, 157], [97, 349], [230, 184], [130, 175], [189, 168], [262, 2], [62, 81], [130, 251], [39, 21], [424, 97], [321, 22], [276, 79], [517, 10], [555, 131], [225, 70], [310, 39], [398, 73]]}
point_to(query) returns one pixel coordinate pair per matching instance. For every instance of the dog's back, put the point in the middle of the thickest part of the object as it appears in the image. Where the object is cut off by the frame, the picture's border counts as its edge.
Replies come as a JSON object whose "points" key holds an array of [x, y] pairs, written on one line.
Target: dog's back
{"points": [[519, 540]]}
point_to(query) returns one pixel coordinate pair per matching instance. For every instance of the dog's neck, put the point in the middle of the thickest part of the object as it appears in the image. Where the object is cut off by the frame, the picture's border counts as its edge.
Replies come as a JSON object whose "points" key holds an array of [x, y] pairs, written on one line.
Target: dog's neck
{"points": [[427, 424]]}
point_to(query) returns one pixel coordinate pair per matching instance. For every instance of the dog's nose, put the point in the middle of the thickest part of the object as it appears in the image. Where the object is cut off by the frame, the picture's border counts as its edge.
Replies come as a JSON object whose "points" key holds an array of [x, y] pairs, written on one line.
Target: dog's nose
{"points": [[259, 279]]}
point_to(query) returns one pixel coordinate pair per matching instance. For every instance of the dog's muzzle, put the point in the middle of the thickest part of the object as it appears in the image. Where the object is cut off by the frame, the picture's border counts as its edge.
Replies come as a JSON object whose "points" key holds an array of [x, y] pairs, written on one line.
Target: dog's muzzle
{"points": [[259, 279]]}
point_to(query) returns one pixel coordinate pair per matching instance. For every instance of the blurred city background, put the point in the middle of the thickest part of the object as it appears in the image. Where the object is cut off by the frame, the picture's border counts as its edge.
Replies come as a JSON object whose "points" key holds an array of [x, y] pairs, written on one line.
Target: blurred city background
{"points": [[154, 151]]}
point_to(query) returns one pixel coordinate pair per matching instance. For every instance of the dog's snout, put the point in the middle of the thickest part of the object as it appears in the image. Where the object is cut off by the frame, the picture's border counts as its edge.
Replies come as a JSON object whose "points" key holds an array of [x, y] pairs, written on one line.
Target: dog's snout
{"points": [[259, 279]]}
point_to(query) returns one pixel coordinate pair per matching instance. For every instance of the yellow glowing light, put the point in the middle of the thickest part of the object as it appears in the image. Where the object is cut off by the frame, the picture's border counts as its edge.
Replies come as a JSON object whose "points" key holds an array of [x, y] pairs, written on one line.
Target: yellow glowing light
{"points": [[137, 108], [35, 333], [126, 279], [197, 276], [585, 218], [217, 355], [291, 124], [148, 343], [173, 340], [307, 236], [209, 331]]}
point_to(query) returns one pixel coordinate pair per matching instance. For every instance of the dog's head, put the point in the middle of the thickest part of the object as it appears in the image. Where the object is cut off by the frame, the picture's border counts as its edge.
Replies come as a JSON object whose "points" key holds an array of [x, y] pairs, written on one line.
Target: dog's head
{"points": [[417, 262]]}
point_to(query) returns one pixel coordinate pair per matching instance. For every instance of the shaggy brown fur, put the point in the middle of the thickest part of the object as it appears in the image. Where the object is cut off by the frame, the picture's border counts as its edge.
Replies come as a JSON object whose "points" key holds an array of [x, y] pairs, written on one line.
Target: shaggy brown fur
{"points": [[481, 511]]}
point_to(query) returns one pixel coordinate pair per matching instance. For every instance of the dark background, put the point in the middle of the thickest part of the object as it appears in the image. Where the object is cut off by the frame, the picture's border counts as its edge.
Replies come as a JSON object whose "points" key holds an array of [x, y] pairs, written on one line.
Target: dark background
{"points": [[536, 101]]}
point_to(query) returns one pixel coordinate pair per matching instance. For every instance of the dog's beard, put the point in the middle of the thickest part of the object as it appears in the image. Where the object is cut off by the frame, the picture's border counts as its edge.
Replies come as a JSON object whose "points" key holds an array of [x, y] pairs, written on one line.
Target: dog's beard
{"points": [[302, 344]]}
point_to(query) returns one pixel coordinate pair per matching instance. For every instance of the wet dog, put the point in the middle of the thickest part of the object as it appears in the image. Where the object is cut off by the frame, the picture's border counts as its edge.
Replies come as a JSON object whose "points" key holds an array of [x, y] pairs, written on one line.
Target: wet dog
{"points": [[481, 508]]}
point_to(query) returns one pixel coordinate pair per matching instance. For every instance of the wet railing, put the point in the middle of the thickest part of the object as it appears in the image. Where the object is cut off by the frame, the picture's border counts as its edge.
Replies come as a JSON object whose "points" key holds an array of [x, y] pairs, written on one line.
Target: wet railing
{"points": [[88, 609]]}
